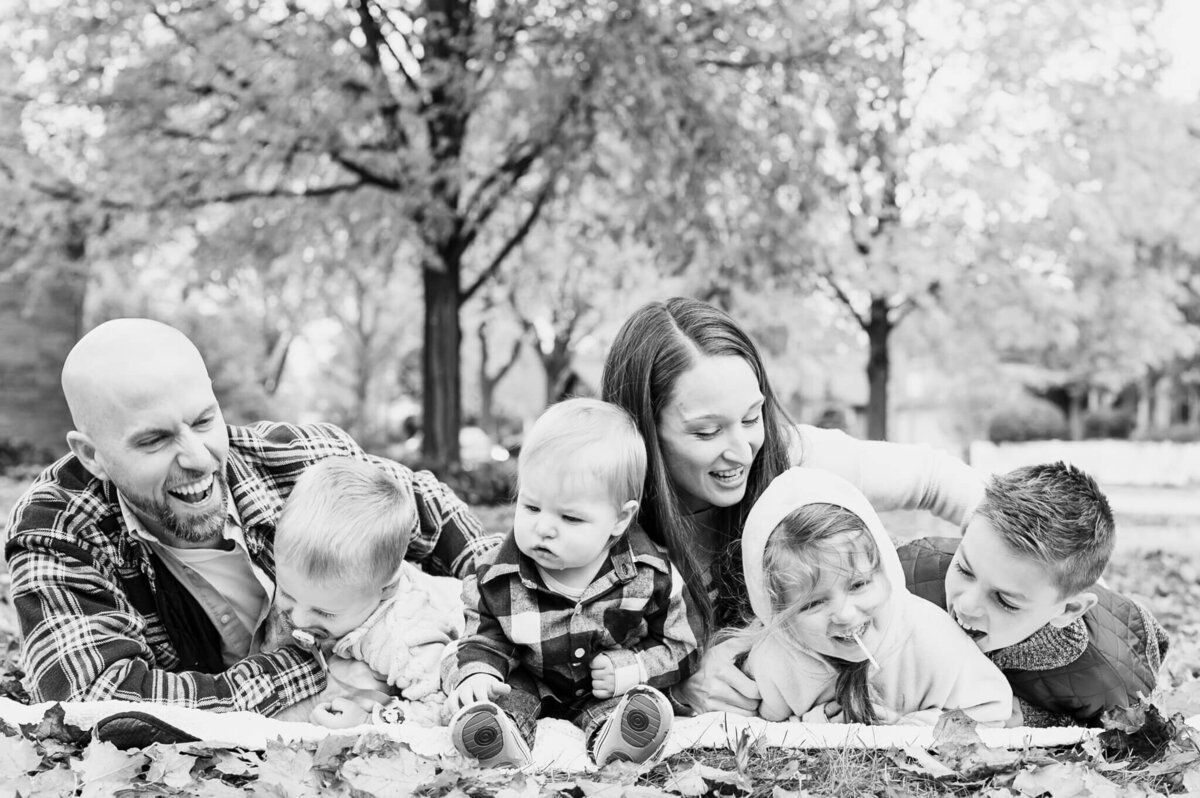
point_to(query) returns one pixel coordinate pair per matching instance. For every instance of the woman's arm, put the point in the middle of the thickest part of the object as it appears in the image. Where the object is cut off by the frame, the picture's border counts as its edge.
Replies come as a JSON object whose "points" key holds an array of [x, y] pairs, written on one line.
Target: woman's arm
{"points": [[893, 476]]}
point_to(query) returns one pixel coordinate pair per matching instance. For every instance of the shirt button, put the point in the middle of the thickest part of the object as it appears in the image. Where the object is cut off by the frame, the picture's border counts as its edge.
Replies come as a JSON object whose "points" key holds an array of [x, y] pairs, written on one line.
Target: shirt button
{"points": [[225, 618], [579, 652]]}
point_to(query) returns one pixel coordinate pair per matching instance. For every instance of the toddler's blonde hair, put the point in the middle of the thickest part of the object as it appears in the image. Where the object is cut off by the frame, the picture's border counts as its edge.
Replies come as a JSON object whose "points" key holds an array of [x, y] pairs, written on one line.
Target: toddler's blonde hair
{"points": [[598, 437], [346, 521]]}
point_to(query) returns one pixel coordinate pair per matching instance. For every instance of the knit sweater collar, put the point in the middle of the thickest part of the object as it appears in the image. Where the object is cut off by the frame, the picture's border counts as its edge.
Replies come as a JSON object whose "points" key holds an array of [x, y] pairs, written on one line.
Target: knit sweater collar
{"points": [[1047, 648]]}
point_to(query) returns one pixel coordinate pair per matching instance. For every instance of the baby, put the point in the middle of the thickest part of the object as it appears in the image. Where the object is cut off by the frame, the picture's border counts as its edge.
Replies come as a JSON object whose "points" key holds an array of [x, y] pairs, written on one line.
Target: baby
{"points": [[344, 589], [577, 614]]}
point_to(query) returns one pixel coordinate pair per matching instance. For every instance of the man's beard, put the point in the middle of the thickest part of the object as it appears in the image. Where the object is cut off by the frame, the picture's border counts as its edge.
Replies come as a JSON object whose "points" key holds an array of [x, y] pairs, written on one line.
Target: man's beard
{"points": [[192, 528]]}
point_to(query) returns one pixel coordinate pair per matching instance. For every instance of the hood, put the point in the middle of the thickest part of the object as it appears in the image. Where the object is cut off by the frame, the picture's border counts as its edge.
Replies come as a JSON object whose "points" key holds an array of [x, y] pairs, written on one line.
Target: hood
{"points": [[793, 489]]}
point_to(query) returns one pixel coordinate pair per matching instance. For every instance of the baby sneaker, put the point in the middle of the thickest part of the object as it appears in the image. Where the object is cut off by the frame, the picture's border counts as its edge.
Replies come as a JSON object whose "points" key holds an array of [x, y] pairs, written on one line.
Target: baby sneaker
{"points": [[637, 729], [483, 731]]}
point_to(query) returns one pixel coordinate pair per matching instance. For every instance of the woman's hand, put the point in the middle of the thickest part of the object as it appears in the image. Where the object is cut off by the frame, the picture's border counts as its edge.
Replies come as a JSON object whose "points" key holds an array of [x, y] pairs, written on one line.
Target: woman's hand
{"points": [[720, 685]]}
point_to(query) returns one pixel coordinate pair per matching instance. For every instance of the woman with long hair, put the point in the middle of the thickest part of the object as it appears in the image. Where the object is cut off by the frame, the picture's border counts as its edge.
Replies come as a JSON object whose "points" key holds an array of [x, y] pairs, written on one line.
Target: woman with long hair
{"points": [[716, 437]]}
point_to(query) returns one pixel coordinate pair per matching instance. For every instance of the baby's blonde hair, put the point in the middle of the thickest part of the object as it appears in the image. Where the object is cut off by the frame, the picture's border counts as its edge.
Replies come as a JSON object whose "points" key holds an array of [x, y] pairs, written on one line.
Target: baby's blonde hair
{"points": [[597, 436], [346, 521]]}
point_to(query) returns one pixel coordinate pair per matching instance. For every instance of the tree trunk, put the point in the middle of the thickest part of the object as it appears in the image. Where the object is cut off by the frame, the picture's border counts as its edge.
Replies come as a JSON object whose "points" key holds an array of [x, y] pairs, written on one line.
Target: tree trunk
{"points": [[41, 318], [879, 330], [1164, 401], [441, 400], [1076, 402], [1145, 390]]}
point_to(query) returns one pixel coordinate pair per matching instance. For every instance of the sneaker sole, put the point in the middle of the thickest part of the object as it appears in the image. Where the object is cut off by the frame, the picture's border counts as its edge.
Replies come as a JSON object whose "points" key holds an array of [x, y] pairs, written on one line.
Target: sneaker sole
{"points": [[641, 721], [482, 736]]}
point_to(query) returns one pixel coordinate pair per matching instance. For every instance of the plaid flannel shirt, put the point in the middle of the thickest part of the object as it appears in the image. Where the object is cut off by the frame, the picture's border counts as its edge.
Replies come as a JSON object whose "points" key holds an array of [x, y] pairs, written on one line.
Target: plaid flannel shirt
{"points": [[633, 612], [84, 587]]}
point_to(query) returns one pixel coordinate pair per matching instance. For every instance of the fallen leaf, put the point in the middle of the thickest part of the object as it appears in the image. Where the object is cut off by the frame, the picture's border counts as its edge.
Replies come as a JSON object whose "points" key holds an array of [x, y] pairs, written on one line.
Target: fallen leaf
{"points": [[955, 727], [53, 726], [54, 782], [103, 768], [215, 788], [1184, 699], [18, 755], [287, 771], [236, 763], [1067, 780], [596, 789], [521, 785], [169, 766], [689, 782], [397, 775], [331, 748], [635, 791], [923, 762], [1148, 740]]}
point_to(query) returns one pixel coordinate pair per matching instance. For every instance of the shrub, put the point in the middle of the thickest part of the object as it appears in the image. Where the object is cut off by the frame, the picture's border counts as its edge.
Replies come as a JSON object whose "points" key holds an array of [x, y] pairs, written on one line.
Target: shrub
{"points": [[20, 458], [1034, 420], [484, 484], [1176, 433], [1108, 423]]}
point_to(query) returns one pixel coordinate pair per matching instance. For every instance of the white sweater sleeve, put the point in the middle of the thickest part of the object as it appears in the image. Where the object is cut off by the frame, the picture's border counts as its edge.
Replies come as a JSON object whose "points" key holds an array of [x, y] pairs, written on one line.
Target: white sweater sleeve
{"points": [[893, 476]]}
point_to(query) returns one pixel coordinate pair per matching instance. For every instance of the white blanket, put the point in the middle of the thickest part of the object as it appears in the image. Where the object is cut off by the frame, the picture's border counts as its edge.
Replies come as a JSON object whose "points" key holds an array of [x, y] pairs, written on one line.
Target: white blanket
{"points": [[559, 745]]}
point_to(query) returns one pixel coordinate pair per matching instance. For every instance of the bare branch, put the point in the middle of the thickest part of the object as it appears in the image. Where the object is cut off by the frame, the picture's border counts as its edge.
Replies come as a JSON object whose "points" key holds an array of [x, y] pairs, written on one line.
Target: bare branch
{"points": [[845, 300], [516, 238]]}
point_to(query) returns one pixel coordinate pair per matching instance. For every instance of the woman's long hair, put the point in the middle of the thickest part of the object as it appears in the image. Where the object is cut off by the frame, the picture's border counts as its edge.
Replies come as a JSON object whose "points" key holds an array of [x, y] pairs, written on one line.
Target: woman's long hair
{"points": [[798, 551], [657, 344]]}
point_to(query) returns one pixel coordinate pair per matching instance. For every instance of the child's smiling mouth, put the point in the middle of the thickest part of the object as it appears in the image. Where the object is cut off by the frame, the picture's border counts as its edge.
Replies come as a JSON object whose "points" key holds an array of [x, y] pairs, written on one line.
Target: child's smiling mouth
{"points": [[972, 632], [847, 637]]}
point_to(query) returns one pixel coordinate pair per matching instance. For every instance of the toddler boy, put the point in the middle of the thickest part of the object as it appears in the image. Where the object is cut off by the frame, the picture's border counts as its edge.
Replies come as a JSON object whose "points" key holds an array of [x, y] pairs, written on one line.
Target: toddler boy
{"points": [[343, 588], [1022, 583], [577, 614]]}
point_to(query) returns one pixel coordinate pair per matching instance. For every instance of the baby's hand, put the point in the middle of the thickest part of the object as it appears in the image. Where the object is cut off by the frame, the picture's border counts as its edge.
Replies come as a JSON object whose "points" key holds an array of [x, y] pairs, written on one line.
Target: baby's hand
{"points": [[476, 687], [604, 677], [340, 713]]}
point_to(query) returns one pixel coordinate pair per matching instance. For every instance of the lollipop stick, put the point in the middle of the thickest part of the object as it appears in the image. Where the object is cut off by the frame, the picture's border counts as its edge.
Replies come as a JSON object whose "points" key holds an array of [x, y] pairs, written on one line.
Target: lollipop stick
{"points": [[861, 645]]}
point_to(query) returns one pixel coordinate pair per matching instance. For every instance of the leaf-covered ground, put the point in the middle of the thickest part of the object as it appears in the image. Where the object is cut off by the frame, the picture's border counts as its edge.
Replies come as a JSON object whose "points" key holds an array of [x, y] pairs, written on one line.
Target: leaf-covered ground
{"points": [[1145, 752]]}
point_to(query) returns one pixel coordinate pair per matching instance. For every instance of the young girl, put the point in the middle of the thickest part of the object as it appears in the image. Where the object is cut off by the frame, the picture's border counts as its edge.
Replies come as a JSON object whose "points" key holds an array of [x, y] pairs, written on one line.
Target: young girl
{"points": [[842, 639]]}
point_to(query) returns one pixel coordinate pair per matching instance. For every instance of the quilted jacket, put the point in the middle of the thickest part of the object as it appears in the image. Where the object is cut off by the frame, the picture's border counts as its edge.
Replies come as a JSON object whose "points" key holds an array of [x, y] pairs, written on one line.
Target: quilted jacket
{"points": [[1119, 656]]}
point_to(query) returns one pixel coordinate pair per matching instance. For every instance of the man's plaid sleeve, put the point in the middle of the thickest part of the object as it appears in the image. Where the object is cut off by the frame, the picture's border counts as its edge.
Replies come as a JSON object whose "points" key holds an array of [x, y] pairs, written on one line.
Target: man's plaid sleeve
{"points": [[449, 537], [83, 642]]}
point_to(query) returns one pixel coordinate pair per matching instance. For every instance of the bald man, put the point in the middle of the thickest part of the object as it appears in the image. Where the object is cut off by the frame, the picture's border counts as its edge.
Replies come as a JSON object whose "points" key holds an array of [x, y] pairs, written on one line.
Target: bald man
{"points": [[141, 562]]}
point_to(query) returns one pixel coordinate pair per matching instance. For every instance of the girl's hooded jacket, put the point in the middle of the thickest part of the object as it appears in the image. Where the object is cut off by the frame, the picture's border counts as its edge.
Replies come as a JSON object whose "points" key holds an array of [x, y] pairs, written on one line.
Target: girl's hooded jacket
{"points": [[926, 662]]}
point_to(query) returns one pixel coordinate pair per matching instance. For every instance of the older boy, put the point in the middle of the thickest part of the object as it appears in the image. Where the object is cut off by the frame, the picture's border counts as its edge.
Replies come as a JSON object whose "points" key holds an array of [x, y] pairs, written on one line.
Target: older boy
{"points": [[1022, 583], [577, 614]]}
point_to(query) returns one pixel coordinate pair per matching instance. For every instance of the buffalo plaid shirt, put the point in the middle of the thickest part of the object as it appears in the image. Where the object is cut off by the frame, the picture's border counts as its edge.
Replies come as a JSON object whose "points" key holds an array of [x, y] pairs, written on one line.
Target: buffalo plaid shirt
{"points": [[84, 587], [633, 612]]}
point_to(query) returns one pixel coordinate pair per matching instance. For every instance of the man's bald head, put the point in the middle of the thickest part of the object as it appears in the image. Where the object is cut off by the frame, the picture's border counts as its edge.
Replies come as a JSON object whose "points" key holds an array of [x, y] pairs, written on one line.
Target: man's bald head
{"points": [[121, 357], [147, 421]]}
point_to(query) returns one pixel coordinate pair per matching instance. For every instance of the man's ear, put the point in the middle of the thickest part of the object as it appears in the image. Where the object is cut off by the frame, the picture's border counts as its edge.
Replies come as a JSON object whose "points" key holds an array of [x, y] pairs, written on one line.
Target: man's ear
{"points": [[625, 517], [83, 448], [1074, 607]]}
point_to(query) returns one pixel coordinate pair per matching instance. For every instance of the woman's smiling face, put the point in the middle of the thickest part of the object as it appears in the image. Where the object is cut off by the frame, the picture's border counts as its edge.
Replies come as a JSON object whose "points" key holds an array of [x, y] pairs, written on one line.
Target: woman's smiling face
{"points": [[710, 430]]}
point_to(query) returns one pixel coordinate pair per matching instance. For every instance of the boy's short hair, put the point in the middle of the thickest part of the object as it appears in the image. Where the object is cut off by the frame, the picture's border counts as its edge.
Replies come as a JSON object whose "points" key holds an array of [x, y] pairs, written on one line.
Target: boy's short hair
{"points": [[1056, 514], [588, 433], [346, 520]]}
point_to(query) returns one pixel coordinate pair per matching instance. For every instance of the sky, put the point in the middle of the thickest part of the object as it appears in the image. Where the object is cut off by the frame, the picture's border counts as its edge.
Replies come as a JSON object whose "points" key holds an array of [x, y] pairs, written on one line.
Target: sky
{"points": [[1179, 31]]}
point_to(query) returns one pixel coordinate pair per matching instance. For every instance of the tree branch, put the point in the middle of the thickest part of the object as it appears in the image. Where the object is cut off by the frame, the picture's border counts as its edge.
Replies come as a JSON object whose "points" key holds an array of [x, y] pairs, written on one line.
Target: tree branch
{"points": [[845, 300], [516, 238]]}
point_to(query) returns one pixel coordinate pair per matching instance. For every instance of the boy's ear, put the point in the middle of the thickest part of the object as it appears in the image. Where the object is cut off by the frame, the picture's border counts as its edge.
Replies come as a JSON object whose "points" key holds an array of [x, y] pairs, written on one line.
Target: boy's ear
{"points": [[625, 517], [84, 449], [1075, 607]]}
